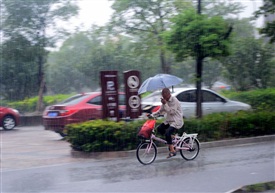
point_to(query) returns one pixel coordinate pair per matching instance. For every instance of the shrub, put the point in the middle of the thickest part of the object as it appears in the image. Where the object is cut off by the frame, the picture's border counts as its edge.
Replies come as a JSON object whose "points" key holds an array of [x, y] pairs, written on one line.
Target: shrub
{"points": [[261, 99], [210, 127], [219, 126], [100, 135], [29, 104]]}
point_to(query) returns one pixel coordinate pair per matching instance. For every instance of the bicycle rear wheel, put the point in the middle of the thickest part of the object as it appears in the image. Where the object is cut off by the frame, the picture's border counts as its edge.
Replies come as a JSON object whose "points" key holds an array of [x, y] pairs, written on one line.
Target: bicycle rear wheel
{"points": [[191, 150], [146, 154]]}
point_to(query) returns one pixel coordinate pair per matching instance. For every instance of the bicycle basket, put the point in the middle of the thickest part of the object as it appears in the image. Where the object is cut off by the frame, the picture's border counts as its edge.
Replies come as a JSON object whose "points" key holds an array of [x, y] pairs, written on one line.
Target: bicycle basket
{"points": [[146, 129]]}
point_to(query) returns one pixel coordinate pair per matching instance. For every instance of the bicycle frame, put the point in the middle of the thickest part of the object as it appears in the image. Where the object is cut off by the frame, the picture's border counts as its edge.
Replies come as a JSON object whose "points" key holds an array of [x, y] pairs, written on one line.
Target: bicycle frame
{"points": [[187, 144], [176, 141]]}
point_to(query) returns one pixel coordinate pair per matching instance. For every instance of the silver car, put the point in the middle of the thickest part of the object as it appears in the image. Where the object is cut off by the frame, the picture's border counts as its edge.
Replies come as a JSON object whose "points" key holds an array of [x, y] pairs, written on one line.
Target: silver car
{"points": [[212, 102]]}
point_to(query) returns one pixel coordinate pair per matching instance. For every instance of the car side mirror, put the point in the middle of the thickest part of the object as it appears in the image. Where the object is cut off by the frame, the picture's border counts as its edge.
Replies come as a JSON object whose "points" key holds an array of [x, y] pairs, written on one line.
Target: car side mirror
{"points": [[221, 100], [224, 101]]}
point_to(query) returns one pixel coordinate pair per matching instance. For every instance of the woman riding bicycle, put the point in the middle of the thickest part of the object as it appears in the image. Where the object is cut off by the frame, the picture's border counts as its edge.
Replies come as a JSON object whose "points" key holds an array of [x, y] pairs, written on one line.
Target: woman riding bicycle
{"points": [[173, 119]]}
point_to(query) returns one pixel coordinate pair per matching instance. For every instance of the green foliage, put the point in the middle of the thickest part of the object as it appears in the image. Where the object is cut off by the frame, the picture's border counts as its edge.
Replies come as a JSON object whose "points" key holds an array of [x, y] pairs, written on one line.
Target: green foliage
{"points": [[18, 68], [69, 69], [250, 65], [23, 31], [221, 8], [31, 17], [209, 128], [268, 8], [29, 104], [259, 187], [145, 21], [260, 99], [219, 126], [77, 70], [191, 29], [243, 28], [100, 135]]}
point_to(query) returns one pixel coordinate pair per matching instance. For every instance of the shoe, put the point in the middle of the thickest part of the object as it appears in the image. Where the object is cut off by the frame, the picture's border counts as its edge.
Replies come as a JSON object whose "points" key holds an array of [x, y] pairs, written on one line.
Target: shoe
{"points": [[171, 154], [169, 148]]}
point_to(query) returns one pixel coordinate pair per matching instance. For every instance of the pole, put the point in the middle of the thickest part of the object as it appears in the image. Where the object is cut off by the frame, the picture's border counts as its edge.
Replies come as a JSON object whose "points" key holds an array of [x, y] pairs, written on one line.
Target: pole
{"points": [[199, 6], [199, 64]]}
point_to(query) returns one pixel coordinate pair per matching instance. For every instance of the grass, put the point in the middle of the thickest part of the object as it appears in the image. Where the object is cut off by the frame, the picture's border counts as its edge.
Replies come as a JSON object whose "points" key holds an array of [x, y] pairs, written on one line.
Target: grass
{"points": [[260, 187]]}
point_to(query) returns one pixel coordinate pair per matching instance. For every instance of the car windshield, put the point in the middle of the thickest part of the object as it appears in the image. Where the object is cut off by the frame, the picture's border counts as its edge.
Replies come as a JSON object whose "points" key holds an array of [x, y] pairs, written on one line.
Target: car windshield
{"points": [[153, 97], [74, 99]]}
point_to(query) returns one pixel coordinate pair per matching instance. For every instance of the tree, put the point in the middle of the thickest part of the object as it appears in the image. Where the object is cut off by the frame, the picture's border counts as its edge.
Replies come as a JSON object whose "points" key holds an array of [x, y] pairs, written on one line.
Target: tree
{"points": [[147, 20], [267, 9], [213, 69], [198, 36], [64, 74], [250, 65], [223, 8], [31, 19], [77, 65], [18, 68]]}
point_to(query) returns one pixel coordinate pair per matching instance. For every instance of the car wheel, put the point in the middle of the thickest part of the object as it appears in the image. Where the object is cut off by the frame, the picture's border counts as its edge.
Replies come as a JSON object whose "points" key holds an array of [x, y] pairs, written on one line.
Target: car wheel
{"points": [[61, 134], [9, 122]]}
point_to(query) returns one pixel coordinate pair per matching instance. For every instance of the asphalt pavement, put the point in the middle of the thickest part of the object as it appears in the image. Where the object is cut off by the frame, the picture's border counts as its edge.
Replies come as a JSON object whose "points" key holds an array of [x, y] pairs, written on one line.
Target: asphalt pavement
{"points": [[32, 146], [36, 146]]}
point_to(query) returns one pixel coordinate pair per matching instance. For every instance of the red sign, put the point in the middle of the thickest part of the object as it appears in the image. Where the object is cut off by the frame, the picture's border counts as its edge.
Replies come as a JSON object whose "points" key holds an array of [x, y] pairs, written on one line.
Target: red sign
{"points": [[133, 100], [109, 87]]}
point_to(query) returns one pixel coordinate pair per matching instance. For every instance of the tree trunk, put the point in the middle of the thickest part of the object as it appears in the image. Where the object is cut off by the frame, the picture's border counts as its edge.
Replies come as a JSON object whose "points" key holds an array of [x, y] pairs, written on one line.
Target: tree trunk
{"points": [[39, 106], [41, 84], [198, 86], [164, 65]]}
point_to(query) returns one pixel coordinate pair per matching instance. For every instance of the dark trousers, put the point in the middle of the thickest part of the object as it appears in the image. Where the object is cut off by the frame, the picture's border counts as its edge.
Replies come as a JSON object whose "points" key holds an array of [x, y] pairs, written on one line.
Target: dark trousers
{"points": [[166, 130]]}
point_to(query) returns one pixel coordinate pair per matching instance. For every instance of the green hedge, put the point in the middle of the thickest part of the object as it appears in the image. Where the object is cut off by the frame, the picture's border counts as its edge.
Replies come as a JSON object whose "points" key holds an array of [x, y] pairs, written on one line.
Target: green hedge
{"points": [[261, 99], [29, 104], [100, 135], [232, 125]]}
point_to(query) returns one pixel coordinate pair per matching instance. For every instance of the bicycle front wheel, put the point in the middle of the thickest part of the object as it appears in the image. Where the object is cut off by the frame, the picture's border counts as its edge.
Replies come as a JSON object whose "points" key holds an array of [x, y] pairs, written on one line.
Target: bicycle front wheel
{"points": [[146, 153], [191, 148]]}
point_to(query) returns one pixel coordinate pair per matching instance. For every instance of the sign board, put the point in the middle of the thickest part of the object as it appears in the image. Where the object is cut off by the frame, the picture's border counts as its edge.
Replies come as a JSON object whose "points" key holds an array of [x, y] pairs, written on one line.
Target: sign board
{"points": [[133, 100], [109, 87]]}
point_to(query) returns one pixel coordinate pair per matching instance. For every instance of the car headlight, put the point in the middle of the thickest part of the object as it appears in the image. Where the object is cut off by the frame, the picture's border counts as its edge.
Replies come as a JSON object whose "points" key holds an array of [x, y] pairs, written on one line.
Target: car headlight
{"points": [[148, 107]]}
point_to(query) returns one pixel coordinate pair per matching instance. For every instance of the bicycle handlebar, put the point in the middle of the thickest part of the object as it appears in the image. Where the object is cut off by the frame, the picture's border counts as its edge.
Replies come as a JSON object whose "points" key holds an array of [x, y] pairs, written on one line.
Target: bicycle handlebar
{"points": [[151, 116]]}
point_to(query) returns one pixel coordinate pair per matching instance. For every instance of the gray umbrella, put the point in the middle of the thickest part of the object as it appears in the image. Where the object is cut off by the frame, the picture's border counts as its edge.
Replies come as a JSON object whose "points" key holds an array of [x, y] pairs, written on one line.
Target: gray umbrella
{"points": [[159, 81]]}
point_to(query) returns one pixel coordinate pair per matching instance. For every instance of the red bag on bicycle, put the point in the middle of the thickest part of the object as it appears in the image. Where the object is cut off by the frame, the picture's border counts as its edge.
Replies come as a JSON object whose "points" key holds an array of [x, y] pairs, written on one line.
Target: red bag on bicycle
{"points": [[146, 129]]}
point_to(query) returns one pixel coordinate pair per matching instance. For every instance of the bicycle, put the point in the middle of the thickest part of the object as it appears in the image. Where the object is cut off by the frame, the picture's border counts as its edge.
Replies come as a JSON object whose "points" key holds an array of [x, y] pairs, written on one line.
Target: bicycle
{"points": [[188, 145]]}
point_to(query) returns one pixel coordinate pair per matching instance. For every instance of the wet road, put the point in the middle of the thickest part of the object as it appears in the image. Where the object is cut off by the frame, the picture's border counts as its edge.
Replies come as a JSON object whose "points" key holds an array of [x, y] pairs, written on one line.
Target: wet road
{"points": [[53, 169]]}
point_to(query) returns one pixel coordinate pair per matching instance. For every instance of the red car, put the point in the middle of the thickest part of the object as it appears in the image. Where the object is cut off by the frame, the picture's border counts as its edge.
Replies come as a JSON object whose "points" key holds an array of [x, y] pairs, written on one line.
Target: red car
{"points": [[76, 109], [9, 118]]}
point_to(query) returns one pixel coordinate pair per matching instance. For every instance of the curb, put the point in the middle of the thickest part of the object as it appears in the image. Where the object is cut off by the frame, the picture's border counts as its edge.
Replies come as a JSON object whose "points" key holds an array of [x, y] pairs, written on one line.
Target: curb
{"points": [[239, 141], [31, 120], [131, 153], [266, 187]]}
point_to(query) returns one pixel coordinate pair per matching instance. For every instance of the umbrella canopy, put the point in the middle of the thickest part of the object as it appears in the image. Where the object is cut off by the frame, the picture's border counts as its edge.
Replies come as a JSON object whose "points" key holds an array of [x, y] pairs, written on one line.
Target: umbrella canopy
{"points": [[159, 81]]}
